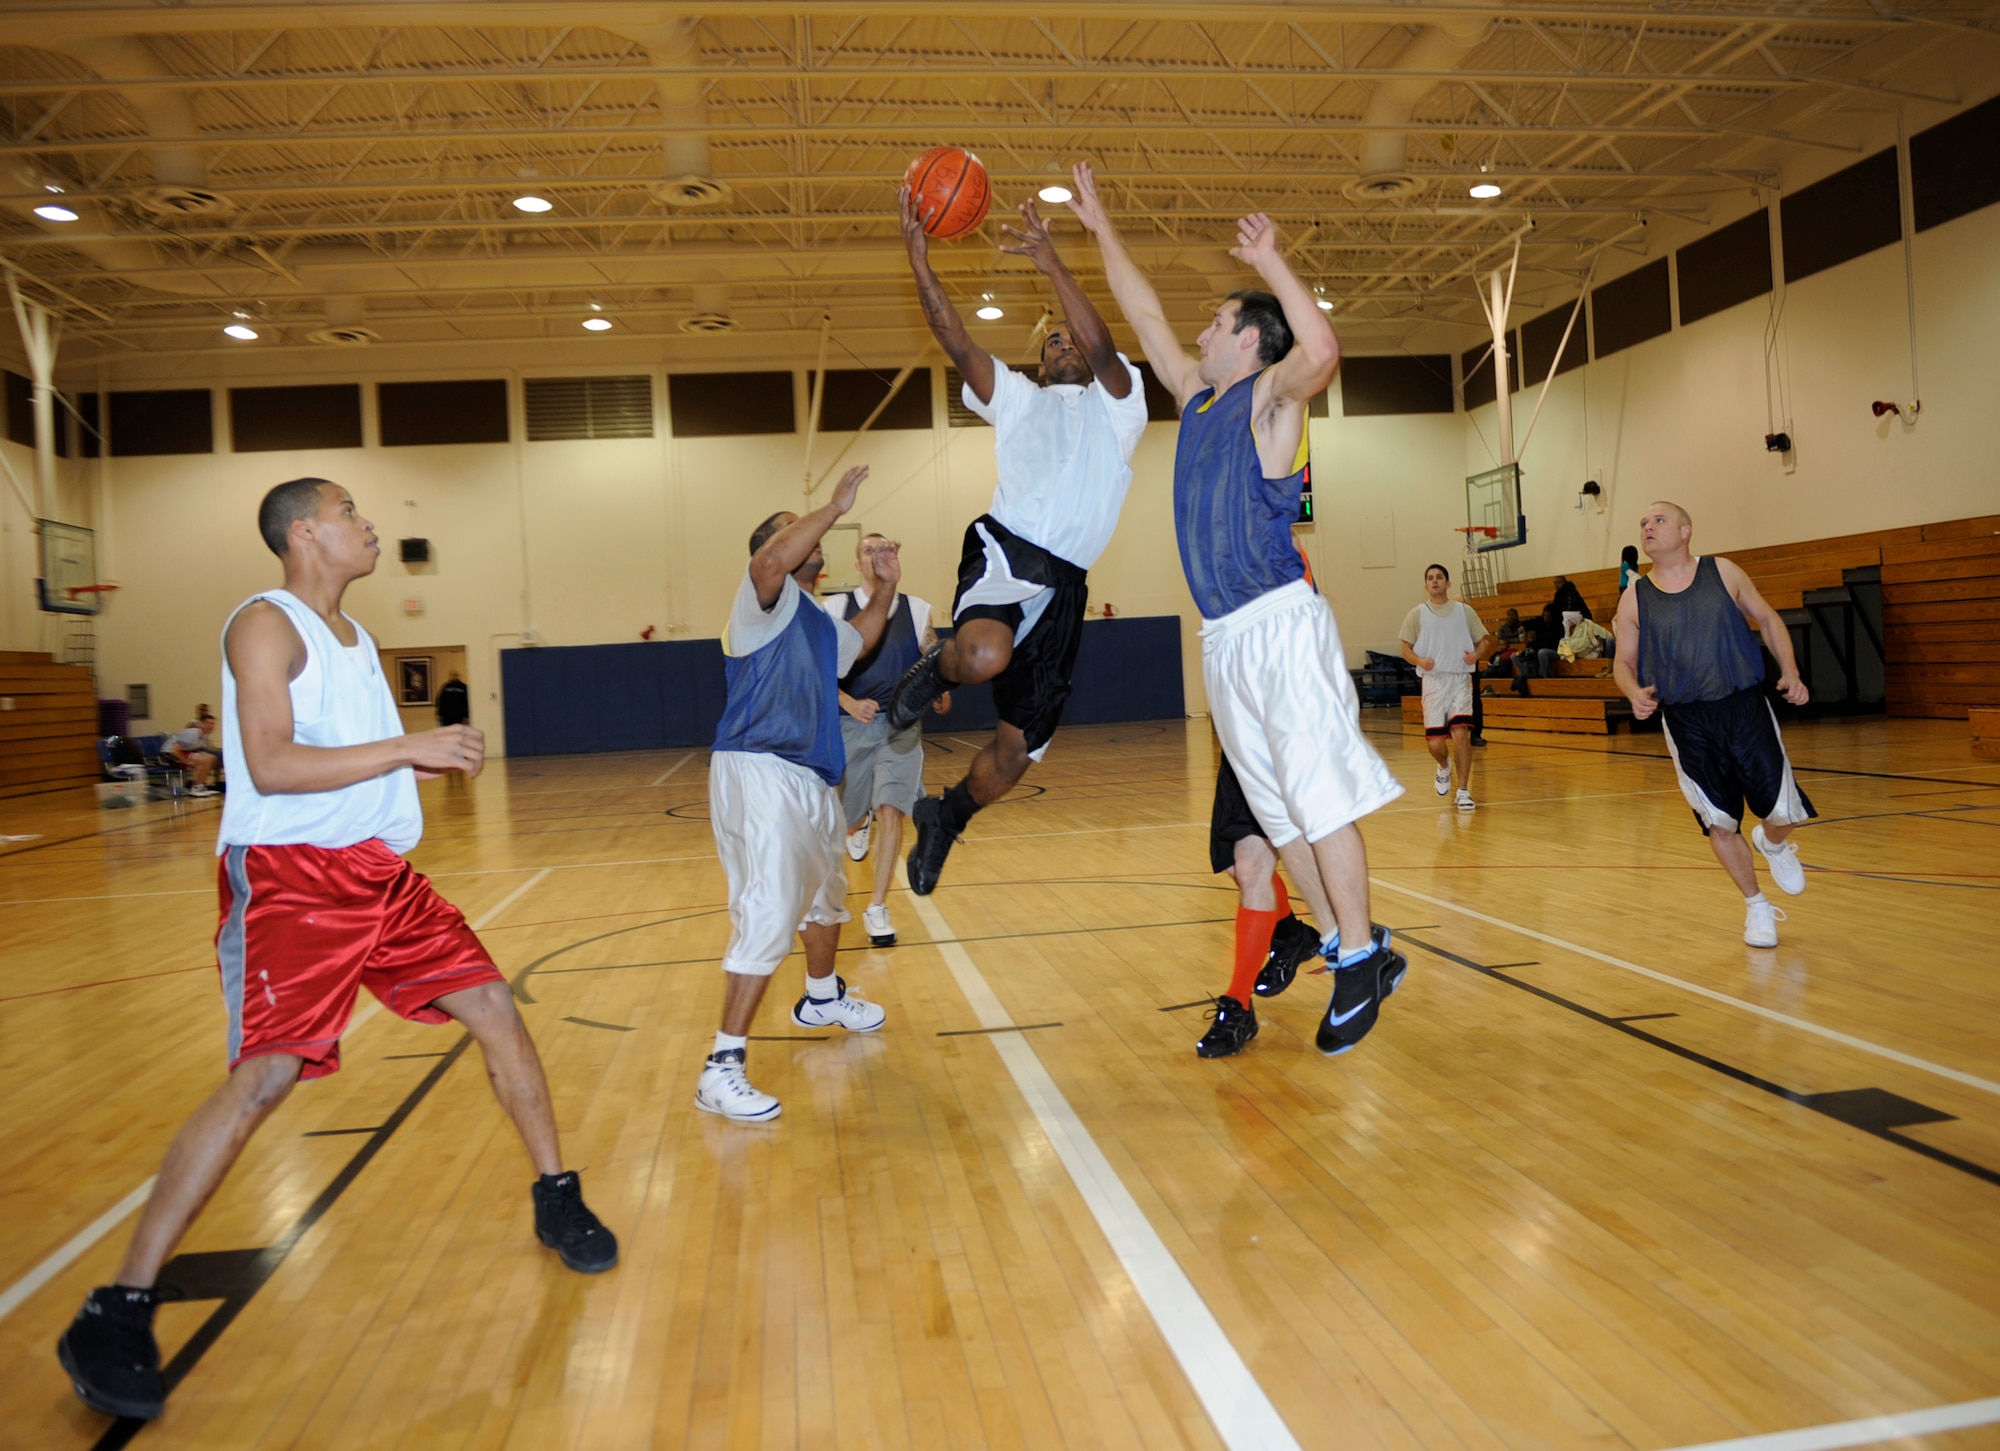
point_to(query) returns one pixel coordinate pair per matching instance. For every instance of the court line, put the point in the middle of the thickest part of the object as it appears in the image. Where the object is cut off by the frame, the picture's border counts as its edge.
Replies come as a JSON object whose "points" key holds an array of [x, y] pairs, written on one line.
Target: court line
{"points": [[661, 778], [1866, 1432], [56, 1263], [1243, 1415], [1908, 1060], [82, 1240]]}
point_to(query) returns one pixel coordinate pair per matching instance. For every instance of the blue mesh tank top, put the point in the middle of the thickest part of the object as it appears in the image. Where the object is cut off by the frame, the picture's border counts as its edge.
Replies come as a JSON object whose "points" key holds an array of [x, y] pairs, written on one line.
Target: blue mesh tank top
{"points": [[1695, 645], [874, 676], [1235, 525], [784, 698]]}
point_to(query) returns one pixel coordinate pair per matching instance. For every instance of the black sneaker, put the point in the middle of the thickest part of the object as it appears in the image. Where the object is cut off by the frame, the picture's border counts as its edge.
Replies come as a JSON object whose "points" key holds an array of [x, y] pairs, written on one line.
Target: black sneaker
{"points": [[932, 846], [111, 1356], [1358, 992], [565, 1224], [917, 691], [1234, 1026], [1294, 943]]}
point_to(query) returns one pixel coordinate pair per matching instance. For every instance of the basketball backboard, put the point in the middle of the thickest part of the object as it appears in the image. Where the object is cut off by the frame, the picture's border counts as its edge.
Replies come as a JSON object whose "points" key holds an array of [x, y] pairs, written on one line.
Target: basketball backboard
{"points": [[1493, 500], [69, 569]]}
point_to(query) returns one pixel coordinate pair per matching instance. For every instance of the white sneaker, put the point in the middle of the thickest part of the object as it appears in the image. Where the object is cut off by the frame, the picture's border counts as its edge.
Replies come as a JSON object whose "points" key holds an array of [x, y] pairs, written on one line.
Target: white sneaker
{"points": [[857, 839], [725, 1089], [1465, 801], [1786, 868], [1441, 782], [1760, 923], [204, 791], [881, 931], [857, 1015]]}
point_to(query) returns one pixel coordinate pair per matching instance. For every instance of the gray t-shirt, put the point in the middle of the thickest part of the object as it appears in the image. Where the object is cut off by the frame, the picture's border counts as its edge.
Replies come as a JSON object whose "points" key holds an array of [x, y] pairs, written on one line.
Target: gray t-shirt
{"points": [[1444, 636]]}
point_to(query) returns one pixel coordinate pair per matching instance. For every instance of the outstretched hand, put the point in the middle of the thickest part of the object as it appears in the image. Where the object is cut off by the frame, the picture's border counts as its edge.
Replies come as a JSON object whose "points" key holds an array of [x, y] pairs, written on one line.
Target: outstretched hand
{"points": [[888, 562], [1256, 240], [1033, 235], [849, 486], [914, 237], [1089, 210]]}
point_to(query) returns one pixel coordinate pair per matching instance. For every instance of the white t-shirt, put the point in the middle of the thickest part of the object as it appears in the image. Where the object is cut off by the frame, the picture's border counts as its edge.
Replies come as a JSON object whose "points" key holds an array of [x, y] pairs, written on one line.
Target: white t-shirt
{"points": [[1443, 635], [1065, 454], [751, 626]]}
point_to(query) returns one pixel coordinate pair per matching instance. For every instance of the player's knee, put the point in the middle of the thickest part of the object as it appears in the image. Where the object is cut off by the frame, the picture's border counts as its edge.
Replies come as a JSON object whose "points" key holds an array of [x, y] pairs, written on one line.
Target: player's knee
{"points": [[1255, 861], [983, 658], [261, 1083]]}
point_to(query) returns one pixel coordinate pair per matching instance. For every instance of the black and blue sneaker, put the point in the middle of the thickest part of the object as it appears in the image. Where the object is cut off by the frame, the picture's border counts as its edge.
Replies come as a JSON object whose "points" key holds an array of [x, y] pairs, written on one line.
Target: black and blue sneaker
{"points": [[111, 1356], [917, 691], [1234, 1025], [1358, 992]]}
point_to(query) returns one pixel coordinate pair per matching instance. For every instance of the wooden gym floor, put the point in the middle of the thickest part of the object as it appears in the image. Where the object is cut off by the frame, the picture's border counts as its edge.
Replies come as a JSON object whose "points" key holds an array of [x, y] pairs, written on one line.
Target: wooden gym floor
{"points": [[1603, 1177]]}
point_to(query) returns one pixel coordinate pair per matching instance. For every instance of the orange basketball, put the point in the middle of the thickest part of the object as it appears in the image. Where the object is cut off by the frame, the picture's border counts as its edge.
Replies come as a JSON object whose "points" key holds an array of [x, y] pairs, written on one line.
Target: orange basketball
{"points": [[949, 183]]}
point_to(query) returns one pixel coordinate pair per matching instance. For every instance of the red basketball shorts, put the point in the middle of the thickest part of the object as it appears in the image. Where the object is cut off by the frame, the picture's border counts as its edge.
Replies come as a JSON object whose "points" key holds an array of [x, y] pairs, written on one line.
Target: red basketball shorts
{"points": [[303, 928]]}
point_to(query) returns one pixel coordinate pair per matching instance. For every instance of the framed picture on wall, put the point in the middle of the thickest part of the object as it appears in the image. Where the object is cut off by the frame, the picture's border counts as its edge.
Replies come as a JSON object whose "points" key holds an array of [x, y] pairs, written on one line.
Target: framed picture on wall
{"points": [[838, 546], [414, 680]]}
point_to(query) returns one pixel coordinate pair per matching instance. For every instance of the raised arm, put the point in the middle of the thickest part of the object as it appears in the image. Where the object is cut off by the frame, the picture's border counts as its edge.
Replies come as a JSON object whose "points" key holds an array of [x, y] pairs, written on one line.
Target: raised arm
{"points": [[793, 545], [1085, 322], [1305, 371], [1136, 298], [1777, 635], [974, 364], [265, 655]]}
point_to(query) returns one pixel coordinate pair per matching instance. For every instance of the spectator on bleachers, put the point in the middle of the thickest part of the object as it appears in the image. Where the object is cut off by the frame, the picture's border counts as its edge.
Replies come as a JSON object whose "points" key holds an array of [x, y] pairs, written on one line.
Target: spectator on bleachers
{"points": [[1628, 566], [1509, 635], [1569, 597], [1584, 640], [1539, 639], [194, 752]]}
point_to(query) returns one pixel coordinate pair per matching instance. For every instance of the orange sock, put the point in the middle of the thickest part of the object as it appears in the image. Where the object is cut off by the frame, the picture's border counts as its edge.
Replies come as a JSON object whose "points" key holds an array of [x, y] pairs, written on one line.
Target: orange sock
{"points": [[1253, 945], [1283, 895]]}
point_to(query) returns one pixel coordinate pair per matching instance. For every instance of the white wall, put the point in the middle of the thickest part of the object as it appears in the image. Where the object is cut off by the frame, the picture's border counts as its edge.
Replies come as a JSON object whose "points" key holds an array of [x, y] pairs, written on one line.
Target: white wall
{"points": [[1682, 416]]}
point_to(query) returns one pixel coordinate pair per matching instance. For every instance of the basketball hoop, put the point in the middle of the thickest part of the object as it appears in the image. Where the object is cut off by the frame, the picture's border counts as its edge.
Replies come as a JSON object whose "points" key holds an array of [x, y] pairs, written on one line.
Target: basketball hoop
{"points": [[1468, 530], [97, 594], [1475, 577]]}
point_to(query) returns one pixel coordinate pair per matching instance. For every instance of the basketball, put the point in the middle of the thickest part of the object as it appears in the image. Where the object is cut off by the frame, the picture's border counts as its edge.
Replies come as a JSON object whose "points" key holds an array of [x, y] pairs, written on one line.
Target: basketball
{"points": [[950, 184]]}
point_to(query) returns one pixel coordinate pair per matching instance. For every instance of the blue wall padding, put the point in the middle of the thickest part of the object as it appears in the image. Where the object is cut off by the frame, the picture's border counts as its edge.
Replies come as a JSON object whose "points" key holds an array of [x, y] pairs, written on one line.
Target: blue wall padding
{"points": [[649, 695]]}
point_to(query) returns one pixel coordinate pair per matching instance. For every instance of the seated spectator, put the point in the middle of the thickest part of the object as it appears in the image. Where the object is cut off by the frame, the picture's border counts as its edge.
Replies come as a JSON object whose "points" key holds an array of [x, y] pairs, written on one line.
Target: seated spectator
{"points": [[1569, 597], [1628, 566], [1585, 640], [1539, 639], [1509, 634], [191, 750]]}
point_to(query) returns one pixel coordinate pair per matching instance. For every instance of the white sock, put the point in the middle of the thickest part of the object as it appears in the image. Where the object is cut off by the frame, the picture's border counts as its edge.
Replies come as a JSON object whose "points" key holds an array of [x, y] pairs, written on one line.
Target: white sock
{"points": [[726, 1041], [1753, 901], [823, 989]]}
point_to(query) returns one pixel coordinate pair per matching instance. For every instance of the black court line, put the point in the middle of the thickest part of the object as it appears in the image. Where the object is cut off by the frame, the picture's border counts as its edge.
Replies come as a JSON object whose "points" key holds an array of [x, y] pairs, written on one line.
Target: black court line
{"points": [[1644, 1017], [1197, 1003], [593, 1023], [235, 1276], [1010, 1028], [1874, 1111], [340, 1133], [1504, 966]]}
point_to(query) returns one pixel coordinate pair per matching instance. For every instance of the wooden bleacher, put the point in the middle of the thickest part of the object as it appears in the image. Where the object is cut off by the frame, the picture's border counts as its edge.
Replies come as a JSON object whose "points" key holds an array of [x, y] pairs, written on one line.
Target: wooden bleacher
{"points": [[1940, 617], [1985, 732], [48, 724]]}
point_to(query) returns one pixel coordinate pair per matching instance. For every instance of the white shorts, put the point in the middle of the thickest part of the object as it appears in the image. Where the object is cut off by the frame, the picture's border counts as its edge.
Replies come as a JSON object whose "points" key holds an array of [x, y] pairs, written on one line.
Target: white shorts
{"points": [[777, 830], [1447, 702], [1284, 707]]}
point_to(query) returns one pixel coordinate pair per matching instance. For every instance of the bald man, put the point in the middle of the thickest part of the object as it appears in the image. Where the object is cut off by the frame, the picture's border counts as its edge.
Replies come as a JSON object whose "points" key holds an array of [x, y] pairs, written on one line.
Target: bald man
{"points": [[1685, 649]]}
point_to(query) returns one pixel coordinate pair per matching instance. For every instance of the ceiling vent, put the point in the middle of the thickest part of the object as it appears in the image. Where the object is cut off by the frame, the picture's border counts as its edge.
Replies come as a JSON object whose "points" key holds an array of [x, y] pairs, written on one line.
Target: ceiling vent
{"points": [[691, 191], [708, 322], [345, 335], [168, 202], [1381, 187]]}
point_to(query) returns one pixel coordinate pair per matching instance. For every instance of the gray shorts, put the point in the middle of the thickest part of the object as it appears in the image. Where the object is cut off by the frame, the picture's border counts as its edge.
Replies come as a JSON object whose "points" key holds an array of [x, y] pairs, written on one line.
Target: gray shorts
{"points": [[883, 768]]}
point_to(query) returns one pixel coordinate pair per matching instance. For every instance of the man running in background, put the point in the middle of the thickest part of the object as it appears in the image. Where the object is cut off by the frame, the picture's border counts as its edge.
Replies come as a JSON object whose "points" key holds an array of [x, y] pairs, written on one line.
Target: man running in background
{"points": [[1278, 688], [1685, 649], [317, 903], [1064, 449], [1447, 642], [771, 800], [885, 767]]}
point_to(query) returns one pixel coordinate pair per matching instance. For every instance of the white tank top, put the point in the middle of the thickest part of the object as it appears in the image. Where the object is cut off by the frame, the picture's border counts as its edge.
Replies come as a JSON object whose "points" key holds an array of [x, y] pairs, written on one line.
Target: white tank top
{"points": [[341, 698], [1444, 638]]}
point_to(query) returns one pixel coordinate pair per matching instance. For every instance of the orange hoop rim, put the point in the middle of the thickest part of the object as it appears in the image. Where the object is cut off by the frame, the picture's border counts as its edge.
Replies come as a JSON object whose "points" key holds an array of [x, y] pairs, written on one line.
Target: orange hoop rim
{"points": [[1491, 531], [90, 589]]}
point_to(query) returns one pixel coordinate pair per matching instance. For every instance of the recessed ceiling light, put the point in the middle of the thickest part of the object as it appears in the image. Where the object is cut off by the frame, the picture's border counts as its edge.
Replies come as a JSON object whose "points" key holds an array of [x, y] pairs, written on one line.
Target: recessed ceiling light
{"points": [[53, 213], [990, 313], [533, 203], [1057, 194], [241, 332], [1485, 189], [597, 324], [1324, 305]]}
